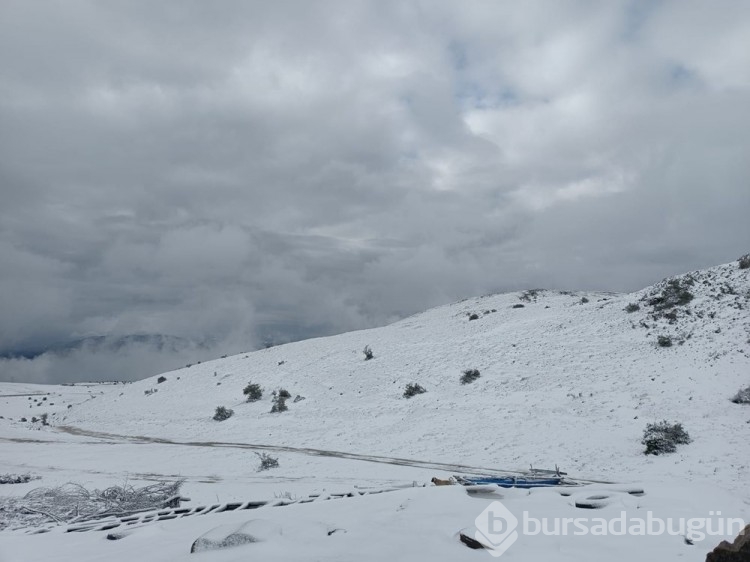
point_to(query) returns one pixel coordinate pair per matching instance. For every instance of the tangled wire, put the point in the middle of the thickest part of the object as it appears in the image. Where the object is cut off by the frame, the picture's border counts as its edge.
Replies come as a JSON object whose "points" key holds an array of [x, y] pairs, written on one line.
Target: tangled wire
{"points": [[72, 502]]}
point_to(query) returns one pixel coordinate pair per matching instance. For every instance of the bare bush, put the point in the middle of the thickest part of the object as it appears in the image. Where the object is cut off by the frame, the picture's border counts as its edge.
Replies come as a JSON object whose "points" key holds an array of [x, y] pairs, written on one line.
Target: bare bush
{"points": [[267, 462]]}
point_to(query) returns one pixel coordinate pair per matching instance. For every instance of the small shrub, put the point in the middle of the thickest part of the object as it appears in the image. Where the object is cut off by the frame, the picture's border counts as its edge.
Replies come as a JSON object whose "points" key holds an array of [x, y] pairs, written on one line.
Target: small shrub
{"points": [[473, 316], [469, 376], [518, 306], [368, 353], [745, 261], [663, 437], [43, 419], [664, 341], [253, 392], [742, 396], [412, 389], [161, 380], [632, 307], [223, 413], [279, 401], [584, 300], [267, 462], [34, 419]]}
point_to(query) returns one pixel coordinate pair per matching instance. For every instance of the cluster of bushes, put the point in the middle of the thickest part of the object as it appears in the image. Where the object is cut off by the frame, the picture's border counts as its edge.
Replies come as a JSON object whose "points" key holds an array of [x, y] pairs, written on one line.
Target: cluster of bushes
{"points": [[663, 437], [675, 292], [254, 392], [530, 295], [664, 341], [42, 418]]}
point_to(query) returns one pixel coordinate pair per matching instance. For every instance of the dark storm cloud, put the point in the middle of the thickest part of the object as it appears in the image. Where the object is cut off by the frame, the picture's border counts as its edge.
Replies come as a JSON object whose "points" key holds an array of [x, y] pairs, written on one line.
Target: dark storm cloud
{"points": [[237, 173]]}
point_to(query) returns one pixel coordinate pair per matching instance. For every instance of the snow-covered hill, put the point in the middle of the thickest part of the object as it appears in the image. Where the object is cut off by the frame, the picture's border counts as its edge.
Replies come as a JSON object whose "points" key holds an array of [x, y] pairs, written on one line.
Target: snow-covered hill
{"points": [[566, 378]]}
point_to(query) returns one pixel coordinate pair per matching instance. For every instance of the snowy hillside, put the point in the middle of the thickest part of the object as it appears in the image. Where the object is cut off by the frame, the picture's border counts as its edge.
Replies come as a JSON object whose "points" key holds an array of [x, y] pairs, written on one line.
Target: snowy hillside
{"points": [[562, 381], [567, 379]]}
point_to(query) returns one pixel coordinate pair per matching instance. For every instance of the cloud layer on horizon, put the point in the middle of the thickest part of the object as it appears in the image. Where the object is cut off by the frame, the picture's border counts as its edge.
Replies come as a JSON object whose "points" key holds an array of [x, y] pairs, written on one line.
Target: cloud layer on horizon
{"points": [[250, 172]]}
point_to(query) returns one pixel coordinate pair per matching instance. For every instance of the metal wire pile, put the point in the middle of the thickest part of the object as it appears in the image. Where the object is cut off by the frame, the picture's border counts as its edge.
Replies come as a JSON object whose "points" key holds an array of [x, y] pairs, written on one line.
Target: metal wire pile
{"points": [[72, 502]]}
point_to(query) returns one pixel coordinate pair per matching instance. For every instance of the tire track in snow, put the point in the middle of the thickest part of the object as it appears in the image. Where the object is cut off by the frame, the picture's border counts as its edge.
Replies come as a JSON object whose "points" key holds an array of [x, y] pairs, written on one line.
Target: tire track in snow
{"points": [[141, 439]]}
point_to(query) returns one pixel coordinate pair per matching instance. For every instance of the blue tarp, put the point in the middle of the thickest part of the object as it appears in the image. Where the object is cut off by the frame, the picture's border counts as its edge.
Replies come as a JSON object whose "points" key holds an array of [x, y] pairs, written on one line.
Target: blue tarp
{"points": [[513, 482]]}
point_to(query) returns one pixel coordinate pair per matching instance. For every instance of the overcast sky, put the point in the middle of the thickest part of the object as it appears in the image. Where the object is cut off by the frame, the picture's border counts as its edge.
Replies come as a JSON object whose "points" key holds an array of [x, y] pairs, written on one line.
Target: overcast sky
{"points": [[234, 173]]}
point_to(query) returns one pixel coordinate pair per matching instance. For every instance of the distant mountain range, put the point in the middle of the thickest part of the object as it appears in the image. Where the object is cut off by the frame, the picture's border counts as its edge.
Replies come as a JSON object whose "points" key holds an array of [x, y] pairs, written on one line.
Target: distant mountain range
{"points": [[94, 344]]}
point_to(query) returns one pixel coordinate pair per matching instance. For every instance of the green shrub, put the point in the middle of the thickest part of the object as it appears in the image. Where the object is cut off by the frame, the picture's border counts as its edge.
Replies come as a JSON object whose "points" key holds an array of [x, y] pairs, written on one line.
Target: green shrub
{"points": [[223, 413], [469, 376], [632, 307], [745, 261], [412, 389], [279, 401], [663, 437], [253, 392]]}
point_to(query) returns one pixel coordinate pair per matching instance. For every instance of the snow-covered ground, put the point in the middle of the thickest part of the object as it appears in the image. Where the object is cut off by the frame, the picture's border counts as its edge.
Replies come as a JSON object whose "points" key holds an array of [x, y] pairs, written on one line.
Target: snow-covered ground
{"points": [[568, 379]]}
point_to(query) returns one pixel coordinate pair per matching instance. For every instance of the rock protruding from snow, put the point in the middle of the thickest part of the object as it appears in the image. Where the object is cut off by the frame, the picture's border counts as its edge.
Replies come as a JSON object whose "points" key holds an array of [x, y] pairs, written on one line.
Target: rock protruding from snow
{"points": [[229, 536], [737, 551]]}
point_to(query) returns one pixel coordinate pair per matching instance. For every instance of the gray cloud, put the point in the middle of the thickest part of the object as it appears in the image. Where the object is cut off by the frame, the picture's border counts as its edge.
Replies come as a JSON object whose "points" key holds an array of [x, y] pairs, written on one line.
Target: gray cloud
{"points": [[243, 173]]}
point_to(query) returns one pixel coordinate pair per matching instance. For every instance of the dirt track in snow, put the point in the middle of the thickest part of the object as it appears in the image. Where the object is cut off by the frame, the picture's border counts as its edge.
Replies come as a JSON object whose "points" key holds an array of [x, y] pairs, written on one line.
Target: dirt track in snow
{"points": [[141, 439]]}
